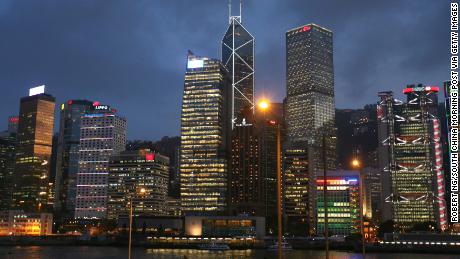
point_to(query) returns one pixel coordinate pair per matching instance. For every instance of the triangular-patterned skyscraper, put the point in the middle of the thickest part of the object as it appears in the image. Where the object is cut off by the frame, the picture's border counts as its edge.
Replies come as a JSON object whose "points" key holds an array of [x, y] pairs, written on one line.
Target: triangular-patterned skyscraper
{"points": [[238, 58]]}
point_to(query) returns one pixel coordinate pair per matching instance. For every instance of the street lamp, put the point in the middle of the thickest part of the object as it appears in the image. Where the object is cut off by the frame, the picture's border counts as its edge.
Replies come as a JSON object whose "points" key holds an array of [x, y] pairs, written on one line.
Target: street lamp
{"points": [[141, 191], [355, 163], [265, 105]]}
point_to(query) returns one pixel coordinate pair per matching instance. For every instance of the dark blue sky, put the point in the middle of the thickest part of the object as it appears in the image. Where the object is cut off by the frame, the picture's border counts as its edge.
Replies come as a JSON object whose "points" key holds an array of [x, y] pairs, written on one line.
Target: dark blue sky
{"points": [[131, 54]]}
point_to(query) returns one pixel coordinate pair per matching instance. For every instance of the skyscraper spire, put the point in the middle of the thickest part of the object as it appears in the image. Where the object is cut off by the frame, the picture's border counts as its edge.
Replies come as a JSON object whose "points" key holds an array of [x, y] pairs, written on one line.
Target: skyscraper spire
{"points": [[238, 58], [230, 16], [241, 1], [229, 11]]}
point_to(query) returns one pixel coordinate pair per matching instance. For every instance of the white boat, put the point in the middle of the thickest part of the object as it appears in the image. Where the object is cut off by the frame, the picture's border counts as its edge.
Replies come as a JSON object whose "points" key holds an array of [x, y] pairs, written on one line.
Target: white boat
{"points": [[284, 246], [214, 246]]}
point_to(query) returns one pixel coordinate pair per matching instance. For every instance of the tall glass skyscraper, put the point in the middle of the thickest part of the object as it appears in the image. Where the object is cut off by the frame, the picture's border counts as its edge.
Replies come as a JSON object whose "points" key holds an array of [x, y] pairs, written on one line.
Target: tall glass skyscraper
{"points": [[33, 151], [67, 155], [205, 133], [238, 58], [310, 108]]}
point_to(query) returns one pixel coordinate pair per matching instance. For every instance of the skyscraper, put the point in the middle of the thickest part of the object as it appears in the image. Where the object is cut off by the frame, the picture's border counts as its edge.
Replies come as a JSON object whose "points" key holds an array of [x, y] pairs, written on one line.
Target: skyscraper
{"points": [[102, 134], [7, 155], [267, 143], [238, 58], [410, 158], [245, 177], [309, 108], [67, 155], [33, 150], [131, 171], [205, 137], [297, 215], [310, 111]]}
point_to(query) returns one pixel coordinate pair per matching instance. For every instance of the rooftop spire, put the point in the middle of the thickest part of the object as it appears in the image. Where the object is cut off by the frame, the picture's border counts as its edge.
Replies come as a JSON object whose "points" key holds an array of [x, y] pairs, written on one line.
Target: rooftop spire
{"points": [[241, 1], [230, 16], [229, 11]]}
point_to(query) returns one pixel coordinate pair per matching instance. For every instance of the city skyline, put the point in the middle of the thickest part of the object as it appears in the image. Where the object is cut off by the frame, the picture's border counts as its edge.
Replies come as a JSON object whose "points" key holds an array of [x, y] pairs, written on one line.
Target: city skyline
{"points": [[128, 59]]}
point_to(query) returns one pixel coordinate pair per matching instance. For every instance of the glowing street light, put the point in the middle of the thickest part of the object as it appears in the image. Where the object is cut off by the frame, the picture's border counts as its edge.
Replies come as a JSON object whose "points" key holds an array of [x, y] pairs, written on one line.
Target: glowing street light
{"points": [[263, 104], [355, 163]]}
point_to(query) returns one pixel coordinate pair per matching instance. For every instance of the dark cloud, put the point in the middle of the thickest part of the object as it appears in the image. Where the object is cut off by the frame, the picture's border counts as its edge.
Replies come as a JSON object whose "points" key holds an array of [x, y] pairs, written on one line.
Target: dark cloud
{"points": [[131, 54]]}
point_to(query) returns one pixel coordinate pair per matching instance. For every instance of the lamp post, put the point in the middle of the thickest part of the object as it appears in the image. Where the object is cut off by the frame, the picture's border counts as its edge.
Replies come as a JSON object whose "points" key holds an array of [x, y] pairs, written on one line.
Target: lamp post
{"points": [[265, 105], [356, 164], [141, 191]]}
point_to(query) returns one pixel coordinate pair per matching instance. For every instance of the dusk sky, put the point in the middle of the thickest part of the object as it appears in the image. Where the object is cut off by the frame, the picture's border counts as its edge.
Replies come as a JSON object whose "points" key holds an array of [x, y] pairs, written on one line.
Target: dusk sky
{"points": [[132, 54]]}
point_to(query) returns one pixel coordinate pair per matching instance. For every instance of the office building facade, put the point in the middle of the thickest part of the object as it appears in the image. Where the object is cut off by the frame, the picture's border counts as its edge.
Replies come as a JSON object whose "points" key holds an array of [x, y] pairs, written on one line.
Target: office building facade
{"points": [[343, 203], [7, 154], [267, 142], [309, 104], [410, 158], [205, 137], [33, 151], [310, 111], [245, 178], [133, 171], [68, 147], [102, 134], [296, 184]]}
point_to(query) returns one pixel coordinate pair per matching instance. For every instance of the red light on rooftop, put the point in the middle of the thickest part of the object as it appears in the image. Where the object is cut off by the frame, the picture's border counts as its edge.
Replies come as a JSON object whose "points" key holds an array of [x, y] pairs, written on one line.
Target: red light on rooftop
{"points": [[150, 156], [431, 88], [306, 28], [13, 119], [408, 90], [96, 103]]}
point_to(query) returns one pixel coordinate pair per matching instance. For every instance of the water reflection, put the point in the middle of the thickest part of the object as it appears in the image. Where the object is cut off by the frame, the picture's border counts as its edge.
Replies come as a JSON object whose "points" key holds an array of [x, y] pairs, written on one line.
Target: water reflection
{"points": [[95, 252]]}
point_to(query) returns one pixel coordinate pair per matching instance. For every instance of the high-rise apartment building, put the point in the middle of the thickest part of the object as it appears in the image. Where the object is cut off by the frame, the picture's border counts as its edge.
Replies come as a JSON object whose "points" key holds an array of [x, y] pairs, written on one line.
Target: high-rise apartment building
{"points": [[205, 137], [133, 171], [33, 150], [238, 58], [102, 134], [68, 147], [410, 158]]}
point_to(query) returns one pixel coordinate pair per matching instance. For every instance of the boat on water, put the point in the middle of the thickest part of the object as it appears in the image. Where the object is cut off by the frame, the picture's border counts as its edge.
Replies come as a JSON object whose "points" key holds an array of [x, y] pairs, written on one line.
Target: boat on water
{"points": [[214, 246], [284, 246]]}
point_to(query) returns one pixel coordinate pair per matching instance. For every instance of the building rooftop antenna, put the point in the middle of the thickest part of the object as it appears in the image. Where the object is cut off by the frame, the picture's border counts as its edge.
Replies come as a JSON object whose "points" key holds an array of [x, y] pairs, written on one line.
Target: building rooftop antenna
{"points": [[241, 1], [230, 16]]}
